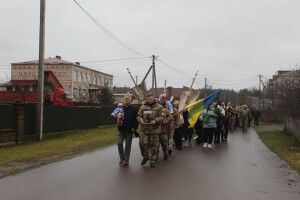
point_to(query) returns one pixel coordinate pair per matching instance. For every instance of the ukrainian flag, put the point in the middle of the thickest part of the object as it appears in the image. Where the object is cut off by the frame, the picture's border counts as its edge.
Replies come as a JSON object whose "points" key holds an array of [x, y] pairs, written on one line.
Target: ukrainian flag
{"points": [[195, 109]]}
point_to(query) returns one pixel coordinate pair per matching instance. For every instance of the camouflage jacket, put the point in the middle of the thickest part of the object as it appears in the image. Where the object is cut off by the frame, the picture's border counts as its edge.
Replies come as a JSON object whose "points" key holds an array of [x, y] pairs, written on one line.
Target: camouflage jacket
{"points": [[167, 122], [229, 112], [148, 113], [178, 119]]}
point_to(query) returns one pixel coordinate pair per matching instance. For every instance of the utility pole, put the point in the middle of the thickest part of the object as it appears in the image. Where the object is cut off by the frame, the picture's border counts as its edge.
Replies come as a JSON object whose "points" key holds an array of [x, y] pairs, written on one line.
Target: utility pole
{"points": [[40, 106], [136, 79], [259, 76], [154, 81], [194, 79], [205, 86], [262, 100], [135, 82]]}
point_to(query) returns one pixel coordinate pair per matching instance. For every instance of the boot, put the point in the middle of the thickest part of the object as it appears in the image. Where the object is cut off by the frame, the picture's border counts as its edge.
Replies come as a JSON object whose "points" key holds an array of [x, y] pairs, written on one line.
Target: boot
{"points": [[144, 161], [166, 157], [152, 165]]}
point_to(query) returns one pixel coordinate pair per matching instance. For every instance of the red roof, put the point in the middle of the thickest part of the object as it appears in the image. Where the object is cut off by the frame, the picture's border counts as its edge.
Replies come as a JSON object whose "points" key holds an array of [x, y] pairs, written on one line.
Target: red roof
{"points": [[170, 91], [49, 61], [19, 83], [175, 92], [57, 61]]}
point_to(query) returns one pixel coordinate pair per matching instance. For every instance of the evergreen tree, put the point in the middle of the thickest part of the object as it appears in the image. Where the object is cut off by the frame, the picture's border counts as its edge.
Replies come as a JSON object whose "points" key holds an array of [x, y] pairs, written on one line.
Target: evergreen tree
{"points": [[105, 96]]}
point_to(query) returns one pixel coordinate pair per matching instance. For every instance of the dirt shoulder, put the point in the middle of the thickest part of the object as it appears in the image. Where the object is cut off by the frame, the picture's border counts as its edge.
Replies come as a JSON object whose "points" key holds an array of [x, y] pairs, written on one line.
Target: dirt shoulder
{"points": [[285, 146], [269, 127]]}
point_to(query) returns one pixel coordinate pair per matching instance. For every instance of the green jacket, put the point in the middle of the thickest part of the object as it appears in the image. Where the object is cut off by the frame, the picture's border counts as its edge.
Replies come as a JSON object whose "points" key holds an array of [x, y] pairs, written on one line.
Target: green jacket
{"points": [[209, 118]]}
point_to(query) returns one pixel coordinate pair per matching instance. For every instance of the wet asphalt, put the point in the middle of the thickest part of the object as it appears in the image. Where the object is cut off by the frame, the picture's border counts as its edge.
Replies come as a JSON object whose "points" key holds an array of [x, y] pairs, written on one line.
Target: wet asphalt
{"points": [[242, 169]]}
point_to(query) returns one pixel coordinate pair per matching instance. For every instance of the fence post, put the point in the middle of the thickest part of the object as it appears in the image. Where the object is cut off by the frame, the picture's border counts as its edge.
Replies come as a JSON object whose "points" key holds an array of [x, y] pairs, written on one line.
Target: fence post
{"points": [[19, 121]]}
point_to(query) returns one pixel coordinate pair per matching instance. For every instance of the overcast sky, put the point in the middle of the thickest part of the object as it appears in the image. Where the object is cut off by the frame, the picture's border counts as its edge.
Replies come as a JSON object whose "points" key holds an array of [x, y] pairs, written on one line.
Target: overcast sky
{"points": [[229, 41]]}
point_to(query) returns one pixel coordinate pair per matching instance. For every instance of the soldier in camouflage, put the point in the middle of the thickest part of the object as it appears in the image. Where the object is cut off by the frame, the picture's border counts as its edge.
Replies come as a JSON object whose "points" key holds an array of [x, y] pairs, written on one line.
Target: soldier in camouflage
{"points": [[150, 117], [165, 129], [243, 117]]}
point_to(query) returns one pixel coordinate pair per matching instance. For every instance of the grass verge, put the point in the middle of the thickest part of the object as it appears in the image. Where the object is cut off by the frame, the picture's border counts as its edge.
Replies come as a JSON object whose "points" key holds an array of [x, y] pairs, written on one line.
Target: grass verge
{"points": [[55, 147], [288, 148]]}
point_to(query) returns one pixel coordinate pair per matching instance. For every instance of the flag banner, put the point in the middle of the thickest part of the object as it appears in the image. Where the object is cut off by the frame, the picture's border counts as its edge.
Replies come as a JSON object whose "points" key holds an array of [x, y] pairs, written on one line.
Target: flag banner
{"points": [[188, 96], [139, 92], [195, 109]]}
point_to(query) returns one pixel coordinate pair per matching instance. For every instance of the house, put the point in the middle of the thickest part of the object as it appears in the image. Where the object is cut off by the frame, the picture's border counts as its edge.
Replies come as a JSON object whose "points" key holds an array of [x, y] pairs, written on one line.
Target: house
{"points": [[76, 79]]}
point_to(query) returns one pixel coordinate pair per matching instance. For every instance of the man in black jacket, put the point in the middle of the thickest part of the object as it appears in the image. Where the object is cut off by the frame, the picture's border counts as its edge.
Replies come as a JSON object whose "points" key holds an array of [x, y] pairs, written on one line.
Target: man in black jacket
{"points": [[125, 129]]}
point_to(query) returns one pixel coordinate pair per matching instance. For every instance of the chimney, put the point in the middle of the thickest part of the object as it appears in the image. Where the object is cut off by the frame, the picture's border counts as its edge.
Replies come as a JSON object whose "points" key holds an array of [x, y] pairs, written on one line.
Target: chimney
{"points": [[77, 63], [58, 57]]}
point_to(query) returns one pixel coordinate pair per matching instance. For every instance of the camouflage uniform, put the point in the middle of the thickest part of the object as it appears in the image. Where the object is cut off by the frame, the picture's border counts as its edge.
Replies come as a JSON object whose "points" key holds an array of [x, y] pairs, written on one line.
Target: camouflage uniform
{"points": [[243, 115], [149, 133], [229, 114], [165, 132]]}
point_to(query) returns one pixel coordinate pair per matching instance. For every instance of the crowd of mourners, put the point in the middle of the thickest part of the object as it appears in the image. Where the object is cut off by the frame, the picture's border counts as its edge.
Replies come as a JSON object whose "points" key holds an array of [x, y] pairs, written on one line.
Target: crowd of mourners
{"points": [[159, 123]]}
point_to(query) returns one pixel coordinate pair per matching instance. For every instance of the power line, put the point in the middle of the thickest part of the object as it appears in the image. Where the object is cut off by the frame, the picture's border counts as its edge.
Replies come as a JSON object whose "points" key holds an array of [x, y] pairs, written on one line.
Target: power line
{"points": [[173, 68], [114, 60], [107, 32], [234, 80]]}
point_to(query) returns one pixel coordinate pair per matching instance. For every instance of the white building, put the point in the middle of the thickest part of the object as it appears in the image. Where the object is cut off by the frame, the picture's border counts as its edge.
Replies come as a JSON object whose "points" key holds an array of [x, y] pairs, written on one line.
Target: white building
{"points": [[76, 79]]}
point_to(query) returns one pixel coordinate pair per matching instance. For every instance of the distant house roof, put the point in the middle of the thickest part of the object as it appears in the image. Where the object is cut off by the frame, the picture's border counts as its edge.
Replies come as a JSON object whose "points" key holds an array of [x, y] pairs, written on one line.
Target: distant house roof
{"points": [[56, 61], [295, 73], [120, 90], [175, 92], [48, 61]]}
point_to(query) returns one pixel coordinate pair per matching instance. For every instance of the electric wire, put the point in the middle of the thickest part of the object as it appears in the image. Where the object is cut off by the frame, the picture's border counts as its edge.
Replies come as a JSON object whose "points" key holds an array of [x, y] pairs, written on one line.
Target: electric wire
{"points": [[107, 32], [114, 60]]}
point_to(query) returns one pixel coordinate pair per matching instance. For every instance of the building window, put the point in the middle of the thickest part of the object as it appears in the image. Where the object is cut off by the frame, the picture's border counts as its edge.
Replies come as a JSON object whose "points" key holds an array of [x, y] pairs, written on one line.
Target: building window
{"points": [[85, 78], [77, 76], [74, 75], [81, 77], [75, 93]]}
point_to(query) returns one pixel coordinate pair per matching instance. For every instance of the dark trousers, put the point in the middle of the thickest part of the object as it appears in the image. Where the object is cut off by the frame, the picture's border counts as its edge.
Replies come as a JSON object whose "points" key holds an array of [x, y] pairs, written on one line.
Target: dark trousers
{"points": [[178, 137], [188, 134], [208, 135], [256, 121], [226, 128], [200, 132], [218, 133], [127, 137]]}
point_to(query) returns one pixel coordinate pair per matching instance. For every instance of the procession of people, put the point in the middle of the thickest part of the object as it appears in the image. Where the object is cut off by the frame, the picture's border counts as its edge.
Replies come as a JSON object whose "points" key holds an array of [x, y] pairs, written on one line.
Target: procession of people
{"points": [[159, 123]]}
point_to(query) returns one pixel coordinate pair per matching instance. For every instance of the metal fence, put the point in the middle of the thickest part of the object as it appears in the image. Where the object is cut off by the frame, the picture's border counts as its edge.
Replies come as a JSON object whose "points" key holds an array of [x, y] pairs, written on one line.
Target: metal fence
{"points": [[7, 117], [57, 118]]}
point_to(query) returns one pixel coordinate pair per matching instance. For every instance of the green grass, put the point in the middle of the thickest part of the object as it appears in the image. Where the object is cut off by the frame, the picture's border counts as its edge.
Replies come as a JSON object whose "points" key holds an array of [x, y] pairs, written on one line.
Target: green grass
{"points": [[288, 148], [59, 145]]}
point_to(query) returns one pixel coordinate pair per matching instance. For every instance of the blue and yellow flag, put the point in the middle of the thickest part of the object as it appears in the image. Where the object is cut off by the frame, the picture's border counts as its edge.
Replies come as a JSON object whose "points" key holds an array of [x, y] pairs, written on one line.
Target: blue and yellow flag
{"points": [[195, 109]]}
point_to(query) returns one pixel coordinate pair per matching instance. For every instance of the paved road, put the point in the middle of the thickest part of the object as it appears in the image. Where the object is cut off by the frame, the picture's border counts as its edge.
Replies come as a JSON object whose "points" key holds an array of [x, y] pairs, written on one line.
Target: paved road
{"points": [[240, 170]]}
